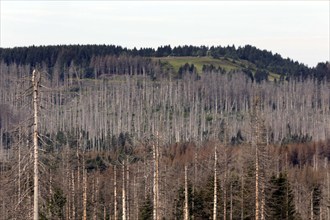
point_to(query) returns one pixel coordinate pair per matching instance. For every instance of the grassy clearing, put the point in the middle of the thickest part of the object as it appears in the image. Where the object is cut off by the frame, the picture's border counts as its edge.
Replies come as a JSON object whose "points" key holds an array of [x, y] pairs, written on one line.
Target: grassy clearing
{"points": [[177, 62], [226, 63]]}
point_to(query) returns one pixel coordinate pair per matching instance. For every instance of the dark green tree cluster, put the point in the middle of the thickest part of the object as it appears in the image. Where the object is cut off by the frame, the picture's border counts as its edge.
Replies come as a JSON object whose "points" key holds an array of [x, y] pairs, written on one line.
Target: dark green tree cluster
{"points": [[187, 69], [213, 69], [281, 202]]}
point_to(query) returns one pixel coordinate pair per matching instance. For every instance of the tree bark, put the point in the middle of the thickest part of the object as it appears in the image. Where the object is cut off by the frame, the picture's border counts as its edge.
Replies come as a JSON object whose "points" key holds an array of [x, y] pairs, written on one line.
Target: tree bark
{"points": [[35, 82]]}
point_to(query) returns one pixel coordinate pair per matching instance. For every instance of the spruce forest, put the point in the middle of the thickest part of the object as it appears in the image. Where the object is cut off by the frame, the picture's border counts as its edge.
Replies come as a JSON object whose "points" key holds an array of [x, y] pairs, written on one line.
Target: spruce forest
{"points": [[190, 132]]}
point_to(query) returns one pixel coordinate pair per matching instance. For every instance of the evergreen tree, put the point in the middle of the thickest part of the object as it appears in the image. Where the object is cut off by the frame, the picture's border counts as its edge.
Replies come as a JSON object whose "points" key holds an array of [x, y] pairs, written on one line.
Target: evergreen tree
{"points": [[281, 202], [146, 209]]}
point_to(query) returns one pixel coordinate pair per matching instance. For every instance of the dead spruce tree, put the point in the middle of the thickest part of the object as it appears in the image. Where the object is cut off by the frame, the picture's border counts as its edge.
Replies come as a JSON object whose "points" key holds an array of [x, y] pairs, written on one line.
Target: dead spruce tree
{"points": [[260, 158], [36, 85]]}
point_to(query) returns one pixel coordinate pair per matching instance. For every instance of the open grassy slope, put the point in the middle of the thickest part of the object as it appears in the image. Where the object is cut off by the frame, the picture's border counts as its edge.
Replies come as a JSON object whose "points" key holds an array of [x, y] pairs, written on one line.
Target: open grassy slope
{"points": [[226, 63]]}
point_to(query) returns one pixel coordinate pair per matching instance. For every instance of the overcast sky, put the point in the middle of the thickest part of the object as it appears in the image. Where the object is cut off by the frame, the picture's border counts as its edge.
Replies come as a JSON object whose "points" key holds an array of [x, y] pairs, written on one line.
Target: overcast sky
{"points": [[295, 29]]}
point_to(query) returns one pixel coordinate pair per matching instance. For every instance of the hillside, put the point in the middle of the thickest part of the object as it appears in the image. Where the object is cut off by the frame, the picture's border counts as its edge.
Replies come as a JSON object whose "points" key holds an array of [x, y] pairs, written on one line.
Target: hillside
{"points": [[91, 58], [123, 134]]}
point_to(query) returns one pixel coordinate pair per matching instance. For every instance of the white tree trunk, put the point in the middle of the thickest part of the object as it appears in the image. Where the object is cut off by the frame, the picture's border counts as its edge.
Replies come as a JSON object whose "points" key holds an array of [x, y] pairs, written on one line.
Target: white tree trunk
{"points": [[156, 182], [35, 82]]}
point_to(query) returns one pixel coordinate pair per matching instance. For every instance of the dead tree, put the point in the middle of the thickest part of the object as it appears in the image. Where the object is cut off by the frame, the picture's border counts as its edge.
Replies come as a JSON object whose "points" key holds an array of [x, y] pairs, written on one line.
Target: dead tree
{"points": [[35, 83]]}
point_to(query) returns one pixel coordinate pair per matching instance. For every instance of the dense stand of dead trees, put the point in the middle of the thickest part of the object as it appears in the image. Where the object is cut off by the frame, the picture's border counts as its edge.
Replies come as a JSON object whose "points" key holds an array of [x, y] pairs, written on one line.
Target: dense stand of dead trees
{"points": [[183, 110], [90, 132]]}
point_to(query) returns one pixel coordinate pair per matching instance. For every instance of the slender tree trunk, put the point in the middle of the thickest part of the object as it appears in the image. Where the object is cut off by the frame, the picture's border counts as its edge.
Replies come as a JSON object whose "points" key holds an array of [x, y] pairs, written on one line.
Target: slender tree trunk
{"points": [[328, 189], [104, 212], [84, 189], [215, 198], [186, 207], [50, 191], [157, 179], [78, 178], [257, 185], [195, 178], [225, 189], [312, 208], [123, 192], [19, 173], [73, 197], [262, 201], [115, 191], [256, 126], [96, 199], [242, 195], [155, 185], [127, 191], [35, 82], [231, 201], [135, 197]]}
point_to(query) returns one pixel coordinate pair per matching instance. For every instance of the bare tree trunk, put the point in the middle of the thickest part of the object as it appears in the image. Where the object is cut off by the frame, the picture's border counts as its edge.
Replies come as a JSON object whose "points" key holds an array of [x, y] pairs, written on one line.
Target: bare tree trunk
{"points": [[328, 189], [155, 185], [73, 197], [262, 201], [225, 189], [19, 172], [186, 207], [84, 189], [115, 191], [127, 191], [195, 178], [35, 82], [231, 201], [135, 197], [104, 212], [242, 195], [95, 199], [78, 177], [256, 129], [29, 214], [312, 208], [123, 192], [257, 184], [215, 198], [157, 179]]}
